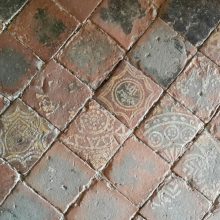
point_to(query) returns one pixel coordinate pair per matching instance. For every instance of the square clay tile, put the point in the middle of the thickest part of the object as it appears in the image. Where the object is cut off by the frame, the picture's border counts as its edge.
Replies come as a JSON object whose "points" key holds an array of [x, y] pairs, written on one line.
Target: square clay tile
{"points": [[136, 170], [161, 53], [9, 8], [18, 66], [7, 181], [57, 95], [201, 165], [168, 128], [176, 201], [24, 204], [101, 202], [125, 20], [211, 48], [192, 18], [214, 126], [81, 9], [44, 27], [198, 87], [129, 94], [24, 136], [59, 176], [4, 103], [91, 55], [95, 135]]}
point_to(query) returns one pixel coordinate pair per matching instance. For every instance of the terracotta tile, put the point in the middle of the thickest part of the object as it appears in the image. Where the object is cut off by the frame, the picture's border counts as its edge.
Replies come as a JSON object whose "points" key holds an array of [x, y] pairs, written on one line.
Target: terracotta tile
{"points": [[4, 103], [101, 202], [198, 87], [136, 170], [57, 95], [23, 203], [9, 8], [193, 19], [18, 66], [91, 55], [211, 48], [81, 9], [44, 27], [59, 176], [168, 128], [201, 165], [129, 94], [95, 135], [125, 20], [24, 136], [7, 181], [176, 201], [161, 53], [214, 126]]}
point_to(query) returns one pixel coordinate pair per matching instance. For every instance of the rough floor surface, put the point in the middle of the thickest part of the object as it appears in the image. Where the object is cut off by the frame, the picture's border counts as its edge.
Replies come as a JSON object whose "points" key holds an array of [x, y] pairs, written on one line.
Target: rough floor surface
{"points": [[109, 110]]}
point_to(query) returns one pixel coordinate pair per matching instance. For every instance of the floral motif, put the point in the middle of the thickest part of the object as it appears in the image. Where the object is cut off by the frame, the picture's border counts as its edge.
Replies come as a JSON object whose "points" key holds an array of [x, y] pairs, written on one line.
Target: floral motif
{"points": [[24, 136], [95, 135], [168, 133]]}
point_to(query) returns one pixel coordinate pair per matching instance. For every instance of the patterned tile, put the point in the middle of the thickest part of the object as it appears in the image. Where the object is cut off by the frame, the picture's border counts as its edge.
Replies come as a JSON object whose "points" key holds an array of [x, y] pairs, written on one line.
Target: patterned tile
{"points": [[176, 201], [136, 170], [91, 55], [129, 94], [193, 19], [168, 128], [50, 90], [44, 27], [101, 202], [59, 176], [23, 203], [211, 48], [95, 135], [18, 66], [125, 20], [79, 8], [214, 126], [198, 87], [7, 181], [161, 53], [24, 136], [201, 165]]}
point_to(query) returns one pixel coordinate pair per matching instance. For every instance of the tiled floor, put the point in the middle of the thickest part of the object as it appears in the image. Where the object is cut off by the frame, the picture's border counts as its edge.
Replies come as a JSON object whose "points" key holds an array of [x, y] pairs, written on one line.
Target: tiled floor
{"points": [[110, 110]]}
